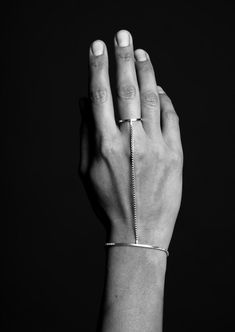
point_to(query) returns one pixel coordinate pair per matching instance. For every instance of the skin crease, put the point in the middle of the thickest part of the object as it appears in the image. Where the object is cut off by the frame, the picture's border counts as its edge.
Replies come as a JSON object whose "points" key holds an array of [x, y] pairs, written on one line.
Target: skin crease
{"points": [[134, 287]]}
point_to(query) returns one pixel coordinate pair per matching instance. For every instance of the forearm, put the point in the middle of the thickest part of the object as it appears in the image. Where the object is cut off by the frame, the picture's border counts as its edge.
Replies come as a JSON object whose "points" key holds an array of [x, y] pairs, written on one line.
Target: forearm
{"points": [[134, 290]]}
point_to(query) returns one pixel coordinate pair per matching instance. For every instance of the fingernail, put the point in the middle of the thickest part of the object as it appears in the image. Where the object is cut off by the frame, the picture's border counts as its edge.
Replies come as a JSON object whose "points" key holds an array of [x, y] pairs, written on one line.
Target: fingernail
{"points": [[141, 55], [97, 48], [123, 38], [160, 90]]}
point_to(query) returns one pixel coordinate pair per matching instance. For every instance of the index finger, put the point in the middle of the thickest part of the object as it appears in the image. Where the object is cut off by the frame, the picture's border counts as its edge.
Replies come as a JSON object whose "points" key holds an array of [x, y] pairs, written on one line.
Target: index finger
{"points": [[99, 88]]}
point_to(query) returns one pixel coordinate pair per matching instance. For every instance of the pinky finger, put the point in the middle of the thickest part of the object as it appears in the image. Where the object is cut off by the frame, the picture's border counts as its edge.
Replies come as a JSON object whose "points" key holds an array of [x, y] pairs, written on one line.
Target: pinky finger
{"points": [[170, 121]]}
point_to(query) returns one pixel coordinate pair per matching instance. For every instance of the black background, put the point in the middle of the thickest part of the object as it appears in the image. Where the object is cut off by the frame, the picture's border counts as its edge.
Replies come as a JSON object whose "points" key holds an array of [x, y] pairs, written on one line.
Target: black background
{"points": [[53, 253]]}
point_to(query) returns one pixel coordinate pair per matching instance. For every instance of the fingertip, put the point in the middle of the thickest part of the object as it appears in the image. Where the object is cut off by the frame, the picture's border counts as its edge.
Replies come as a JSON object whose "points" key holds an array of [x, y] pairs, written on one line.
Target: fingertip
{"points": [[160, 90], [123, 38], [98, 57], [97, 48], [141, 55]]}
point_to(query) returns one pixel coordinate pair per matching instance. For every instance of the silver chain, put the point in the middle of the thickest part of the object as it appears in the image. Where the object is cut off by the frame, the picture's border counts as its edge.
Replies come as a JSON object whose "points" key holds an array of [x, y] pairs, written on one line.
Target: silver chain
{"points": [[133, 179], [133, 194], [133, 174]]}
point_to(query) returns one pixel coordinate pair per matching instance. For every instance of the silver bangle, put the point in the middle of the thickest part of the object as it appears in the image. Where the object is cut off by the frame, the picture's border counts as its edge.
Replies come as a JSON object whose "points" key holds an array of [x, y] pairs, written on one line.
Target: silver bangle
{"points": [[147, 246]]}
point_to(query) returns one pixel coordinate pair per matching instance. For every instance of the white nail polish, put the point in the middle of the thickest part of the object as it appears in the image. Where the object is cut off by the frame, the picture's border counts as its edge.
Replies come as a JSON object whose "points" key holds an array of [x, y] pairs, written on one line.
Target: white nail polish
{"points": [[123, 38], [97, 48], [160, 90], [140, 55]]}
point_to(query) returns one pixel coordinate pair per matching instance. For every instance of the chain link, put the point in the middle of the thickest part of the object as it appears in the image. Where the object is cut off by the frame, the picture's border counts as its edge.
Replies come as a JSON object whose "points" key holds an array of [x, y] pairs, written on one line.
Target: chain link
{"points": [[133, 194], [133, 180]]}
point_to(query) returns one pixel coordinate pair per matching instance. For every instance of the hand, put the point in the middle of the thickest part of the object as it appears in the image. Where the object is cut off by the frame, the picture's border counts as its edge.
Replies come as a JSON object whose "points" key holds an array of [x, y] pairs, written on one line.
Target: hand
{"points": [[105, 160]]}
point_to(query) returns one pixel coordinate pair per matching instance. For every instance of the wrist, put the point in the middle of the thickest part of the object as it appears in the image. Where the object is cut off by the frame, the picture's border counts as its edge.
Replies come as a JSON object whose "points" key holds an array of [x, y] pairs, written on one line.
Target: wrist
{"points": [[140, 260], [134, 252], [124, 233]]}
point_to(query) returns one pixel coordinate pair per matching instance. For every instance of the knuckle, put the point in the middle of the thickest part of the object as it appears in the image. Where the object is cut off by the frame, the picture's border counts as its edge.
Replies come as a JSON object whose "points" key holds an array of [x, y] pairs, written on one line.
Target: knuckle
{"points": [[125, 56], [99, 96], [158, 152], [167, 102], [173, 158], [96, 63], [109, 147], [149, 98], [127, 92], [105, 149], [176, 159], [142, 150]]}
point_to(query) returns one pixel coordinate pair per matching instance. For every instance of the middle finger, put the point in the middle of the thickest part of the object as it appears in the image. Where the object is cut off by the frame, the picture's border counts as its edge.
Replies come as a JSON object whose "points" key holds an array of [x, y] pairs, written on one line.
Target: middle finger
{"points": [[127, 85]]}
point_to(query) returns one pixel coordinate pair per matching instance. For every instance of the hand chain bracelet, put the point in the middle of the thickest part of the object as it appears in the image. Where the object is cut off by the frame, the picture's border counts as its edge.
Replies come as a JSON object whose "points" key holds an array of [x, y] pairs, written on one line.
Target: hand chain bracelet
{"points": [[133, 191]]}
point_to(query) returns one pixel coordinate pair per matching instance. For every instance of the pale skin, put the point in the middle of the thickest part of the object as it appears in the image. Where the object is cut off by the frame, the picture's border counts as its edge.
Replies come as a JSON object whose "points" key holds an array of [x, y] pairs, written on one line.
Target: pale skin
{"points": [[134, 286]]}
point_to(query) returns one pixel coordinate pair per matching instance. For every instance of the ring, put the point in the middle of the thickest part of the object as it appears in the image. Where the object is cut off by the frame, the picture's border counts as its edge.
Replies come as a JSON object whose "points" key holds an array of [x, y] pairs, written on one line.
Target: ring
{"points": [[129, 120]]}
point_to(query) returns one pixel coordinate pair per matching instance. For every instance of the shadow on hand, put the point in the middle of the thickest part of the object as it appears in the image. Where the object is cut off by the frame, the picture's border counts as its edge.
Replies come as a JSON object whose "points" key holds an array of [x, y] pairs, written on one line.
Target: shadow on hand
{"points": [[88, 129]]}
